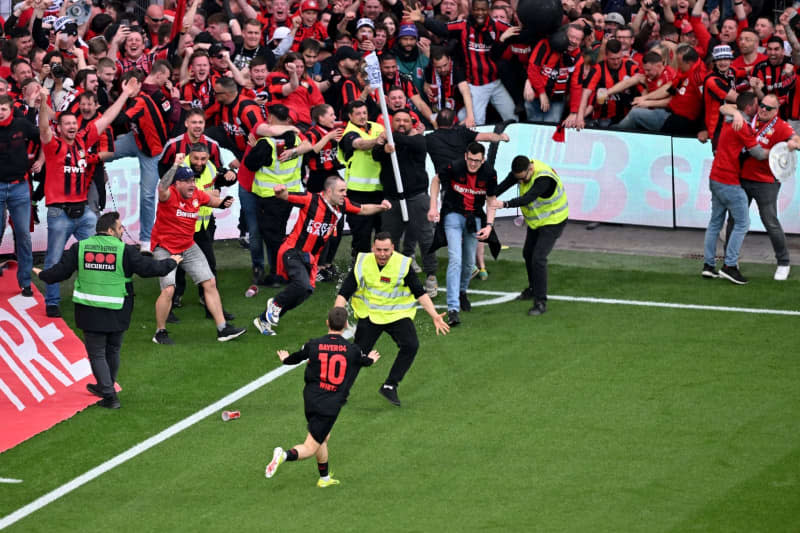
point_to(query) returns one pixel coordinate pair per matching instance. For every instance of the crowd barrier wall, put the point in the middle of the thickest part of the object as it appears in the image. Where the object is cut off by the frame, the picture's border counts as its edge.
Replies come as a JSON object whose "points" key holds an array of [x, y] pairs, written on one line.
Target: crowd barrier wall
{"points": [[610, 176]]}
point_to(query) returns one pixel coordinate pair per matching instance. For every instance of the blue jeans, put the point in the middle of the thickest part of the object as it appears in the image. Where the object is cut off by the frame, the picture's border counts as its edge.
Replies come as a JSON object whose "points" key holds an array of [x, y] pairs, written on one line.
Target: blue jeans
{"points": [[535, 114], [16, 199], [248, 205], [125, 146], [59, 229], [726, 198], [461, 246]]}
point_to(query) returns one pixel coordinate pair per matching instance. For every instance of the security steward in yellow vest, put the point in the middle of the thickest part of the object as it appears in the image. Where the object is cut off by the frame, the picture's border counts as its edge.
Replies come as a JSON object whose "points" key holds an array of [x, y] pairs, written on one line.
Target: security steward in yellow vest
{"points": [[210, 180], [384, 291], [543, 202], [275, 161], [362, 172], [103, 296]]}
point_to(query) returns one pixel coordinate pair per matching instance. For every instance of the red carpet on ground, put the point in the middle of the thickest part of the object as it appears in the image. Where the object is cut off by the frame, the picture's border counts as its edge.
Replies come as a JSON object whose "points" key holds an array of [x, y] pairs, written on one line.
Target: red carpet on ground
{"points": [[43, 365]]}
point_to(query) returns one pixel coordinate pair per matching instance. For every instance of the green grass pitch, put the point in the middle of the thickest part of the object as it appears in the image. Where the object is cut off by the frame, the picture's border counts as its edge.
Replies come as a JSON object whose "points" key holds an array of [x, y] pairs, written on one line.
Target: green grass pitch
{"points": [[591, 417]]}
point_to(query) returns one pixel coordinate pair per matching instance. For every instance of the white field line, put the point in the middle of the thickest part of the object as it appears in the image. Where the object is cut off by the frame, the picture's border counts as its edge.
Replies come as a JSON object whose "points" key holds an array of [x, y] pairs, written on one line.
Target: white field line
{"points": [[9, 480], [143, 446], [499, 297]]}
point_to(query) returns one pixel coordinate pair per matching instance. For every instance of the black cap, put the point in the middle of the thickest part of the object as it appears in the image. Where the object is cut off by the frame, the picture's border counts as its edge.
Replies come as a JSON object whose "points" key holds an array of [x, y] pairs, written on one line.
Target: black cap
{"points": [[346, 52]]}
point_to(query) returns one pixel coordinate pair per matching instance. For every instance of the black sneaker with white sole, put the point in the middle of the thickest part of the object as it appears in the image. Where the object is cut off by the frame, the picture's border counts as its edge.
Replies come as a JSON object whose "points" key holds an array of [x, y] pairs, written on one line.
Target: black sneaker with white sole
{"points": [[732, 274], [709, 271], [229, 332], [162, 337], [452, 318], [390, 393]]}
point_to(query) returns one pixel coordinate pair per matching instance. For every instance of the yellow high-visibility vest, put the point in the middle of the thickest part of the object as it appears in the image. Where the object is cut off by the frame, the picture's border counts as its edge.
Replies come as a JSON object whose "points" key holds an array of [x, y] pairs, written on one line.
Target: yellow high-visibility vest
{"points": [[545, 211], [362, 173], [204, 182], [382, 294], [278, 173]]}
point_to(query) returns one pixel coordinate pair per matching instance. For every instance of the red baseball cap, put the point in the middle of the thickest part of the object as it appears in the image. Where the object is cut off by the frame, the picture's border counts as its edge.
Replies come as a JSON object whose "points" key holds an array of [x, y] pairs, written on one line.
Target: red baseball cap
{"points": [[309, 5]]}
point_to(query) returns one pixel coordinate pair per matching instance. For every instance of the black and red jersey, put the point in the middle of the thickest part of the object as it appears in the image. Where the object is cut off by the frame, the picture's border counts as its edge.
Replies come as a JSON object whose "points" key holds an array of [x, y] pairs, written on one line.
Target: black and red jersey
{"points": [[182, 145], [322, 164], [716, 87], [778, 79], [238, 119], [476, 44], [447, 93], [316, 31], [148, 123], [404, 82], [549, 71], [71, 103], [66, 176], [105, 142], [617, 105], [199, 94], [464, 192], [316, 222]]}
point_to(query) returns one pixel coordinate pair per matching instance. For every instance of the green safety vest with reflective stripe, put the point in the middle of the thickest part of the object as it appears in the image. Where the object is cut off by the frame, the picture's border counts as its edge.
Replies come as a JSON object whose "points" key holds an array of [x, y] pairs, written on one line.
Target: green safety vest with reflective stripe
{"points": [[204, 182], [382, 294], [101, 277], [362, 173], [278, 173], [545, 211]]}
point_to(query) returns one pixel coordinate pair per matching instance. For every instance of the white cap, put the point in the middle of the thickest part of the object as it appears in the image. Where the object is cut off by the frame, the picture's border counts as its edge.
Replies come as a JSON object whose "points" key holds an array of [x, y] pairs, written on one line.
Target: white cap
{"points": [[280, 33]]}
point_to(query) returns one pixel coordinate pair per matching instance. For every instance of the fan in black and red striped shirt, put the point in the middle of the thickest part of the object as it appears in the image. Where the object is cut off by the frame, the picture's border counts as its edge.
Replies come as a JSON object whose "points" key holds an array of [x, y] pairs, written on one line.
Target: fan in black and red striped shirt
{"points": [[299, 254], [103, 148], [195, 124], [237, 115], [481, 41]]}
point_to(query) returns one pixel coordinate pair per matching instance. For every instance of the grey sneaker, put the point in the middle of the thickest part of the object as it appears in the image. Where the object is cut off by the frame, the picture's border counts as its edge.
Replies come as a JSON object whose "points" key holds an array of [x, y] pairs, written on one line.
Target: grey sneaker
{"points": [[415, 267], [431, 286]]}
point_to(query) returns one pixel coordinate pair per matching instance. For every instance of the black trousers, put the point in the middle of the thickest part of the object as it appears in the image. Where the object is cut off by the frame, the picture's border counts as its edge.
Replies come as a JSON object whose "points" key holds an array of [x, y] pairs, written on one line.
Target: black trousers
{"points": [[273, 214], [361, 228], [103, 349], [332, 245], [297, 265], [538, 245], [404, 335], [205, 240]]}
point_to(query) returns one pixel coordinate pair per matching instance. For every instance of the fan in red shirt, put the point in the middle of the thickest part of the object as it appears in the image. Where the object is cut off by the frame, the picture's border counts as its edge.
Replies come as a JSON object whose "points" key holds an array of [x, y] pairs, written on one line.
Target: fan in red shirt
{"points": [[299, 254], [748, 48], [760, 184], [294, 88], [310, 27], [173, 234], [66, 186], [727, 196], [718, 88]]}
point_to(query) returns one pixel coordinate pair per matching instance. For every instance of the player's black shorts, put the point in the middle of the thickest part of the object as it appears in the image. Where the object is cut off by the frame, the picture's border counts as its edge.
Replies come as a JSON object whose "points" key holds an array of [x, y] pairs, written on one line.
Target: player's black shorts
{"points": [[320, 425]]}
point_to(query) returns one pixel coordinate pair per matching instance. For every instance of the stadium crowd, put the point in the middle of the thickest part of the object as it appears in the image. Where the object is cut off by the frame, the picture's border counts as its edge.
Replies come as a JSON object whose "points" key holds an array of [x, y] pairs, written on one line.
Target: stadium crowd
{"points": [[282, 85]]}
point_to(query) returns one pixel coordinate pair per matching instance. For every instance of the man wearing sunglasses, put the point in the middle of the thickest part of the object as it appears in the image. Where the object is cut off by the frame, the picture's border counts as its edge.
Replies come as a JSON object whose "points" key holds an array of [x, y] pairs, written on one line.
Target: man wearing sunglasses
{"points": [[761, 185], [153, 19]]}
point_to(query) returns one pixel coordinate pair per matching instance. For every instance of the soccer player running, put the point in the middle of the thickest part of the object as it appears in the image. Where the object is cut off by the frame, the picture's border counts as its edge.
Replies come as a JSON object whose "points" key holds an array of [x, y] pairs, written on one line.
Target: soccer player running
{"points": [[333, 365], [298, 256]]}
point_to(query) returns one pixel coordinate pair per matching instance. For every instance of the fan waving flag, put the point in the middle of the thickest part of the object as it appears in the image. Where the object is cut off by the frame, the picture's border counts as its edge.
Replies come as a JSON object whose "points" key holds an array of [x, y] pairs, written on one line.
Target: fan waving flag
{"points": [[177, 23]]}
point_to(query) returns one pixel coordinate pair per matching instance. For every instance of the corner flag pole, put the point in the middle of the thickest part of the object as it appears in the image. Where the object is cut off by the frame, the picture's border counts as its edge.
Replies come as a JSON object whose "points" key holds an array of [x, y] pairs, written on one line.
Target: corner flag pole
{"points": [[375, 80]]}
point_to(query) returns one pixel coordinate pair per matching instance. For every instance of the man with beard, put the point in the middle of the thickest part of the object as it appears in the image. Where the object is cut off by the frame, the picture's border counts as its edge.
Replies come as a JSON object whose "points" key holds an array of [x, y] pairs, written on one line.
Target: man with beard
{"points": [[179, 204], [411, 61], [607, 73], [750, 56], [409, 145], [197, 81], [391, 76], [299, 253]]}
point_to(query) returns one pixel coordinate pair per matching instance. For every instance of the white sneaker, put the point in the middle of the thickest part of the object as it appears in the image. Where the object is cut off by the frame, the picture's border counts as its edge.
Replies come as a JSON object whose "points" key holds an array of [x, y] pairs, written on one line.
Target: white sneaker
{"points": [[273, 312], [278, 458], [415, 267], [144, 246], [782, 272]]}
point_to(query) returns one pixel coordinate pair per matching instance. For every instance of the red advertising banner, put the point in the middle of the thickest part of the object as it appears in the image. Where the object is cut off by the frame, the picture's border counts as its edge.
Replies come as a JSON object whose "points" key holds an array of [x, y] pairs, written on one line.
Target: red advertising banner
{"points": [[43, 366]]}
